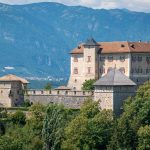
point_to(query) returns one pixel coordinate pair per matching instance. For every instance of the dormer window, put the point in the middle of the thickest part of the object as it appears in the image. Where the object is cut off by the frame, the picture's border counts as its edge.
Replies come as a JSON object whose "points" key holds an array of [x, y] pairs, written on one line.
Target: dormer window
{"points": [[122, 45]]}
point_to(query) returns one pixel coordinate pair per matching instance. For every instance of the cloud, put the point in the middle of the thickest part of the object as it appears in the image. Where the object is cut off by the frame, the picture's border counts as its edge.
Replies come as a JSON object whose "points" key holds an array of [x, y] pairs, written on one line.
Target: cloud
{"points": [[135, 5]]}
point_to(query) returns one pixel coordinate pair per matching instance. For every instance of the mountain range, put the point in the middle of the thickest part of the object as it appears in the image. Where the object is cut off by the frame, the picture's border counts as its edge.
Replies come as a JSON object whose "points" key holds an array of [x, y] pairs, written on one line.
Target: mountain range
{"points": [[35, 39]]}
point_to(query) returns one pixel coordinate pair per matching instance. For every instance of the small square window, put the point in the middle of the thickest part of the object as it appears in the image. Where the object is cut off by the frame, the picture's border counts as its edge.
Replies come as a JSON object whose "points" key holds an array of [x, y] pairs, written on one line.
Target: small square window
{"points": [[89, 58], [89, 70], [75, 70]]}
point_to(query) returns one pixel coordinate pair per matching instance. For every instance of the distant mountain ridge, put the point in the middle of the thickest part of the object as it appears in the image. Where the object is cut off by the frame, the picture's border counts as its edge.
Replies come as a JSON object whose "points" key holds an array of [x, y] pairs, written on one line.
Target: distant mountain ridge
{"points": [[35, 39]]}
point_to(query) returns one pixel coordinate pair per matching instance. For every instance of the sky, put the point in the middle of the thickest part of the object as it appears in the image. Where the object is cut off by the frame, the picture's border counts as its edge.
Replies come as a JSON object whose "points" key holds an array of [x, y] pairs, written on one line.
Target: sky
{"points": [[134, 5]]}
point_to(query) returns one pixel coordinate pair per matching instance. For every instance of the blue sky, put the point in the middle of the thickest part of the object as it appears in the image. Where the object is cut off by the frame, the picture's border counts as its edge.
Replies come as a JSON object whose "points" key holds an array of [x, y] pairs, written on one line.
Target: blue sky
{"points": [[135, 5]]}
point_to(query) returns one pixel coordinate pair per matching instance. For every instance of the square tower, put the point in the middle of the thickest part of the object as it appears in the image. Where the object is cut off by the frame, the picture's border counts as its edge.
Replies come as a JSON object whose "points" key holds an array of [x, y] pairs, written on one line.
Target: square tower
{"points": [[84, 64]]}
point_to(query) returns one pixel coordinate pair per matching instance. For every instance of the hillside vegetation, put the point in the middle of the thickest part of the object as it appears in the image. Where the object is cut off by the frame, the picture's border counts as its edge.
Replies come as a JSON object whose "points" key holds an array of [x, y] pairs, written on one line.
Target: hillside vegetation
{"points": [[54, 127]]}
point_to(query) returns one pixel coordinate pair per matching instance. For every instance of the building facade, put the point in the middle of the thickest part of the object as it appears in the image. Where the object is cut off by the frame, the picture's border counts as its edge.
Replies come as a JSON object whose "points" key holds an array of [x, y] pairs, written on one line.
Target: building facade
{"points": [[12, 90], [93, 60]]}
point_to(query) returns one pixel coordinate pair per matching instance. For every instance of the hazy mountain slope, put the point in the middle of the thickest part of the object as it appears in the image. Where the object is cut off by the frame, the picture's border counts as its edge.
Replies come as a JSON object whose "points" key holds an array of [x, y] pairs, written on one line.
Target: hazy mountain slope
{"points": [[35, 39]]}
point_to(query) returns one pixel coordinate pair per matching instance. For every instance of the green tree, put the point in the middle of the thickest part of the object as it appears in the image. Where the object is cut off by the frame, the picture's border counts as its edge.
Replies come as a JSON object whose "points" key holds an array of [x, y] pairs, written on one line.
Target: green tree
{"points": [[18, 117], [144, 138], [136, 114], [53, 127], [91, 129], [88, 85], [48, 86], [26, 103]]}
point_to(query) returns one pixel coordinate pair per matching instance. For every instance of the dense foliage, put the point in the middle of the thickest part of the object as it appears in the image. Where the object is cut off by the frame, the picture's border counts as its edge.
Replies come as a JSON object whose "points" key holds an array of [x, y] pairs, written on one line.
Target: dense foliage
{"points": [[54, 127], [88, 85], [48, 86]]}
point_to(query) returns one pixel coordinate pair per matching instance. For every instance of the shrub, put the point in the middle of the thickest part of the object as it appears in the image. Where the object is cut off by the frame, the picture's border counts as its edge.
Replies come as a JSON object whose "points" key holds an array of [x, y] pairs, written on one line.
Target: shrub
{"points": [[18, 117]]}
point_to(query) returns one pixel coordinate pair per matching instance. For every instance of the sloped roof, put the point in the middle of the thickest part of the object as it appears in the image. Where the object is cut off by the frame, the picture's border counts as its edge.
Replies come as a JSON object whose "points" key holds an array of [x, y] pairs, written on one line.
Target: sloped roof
{"points": [[118, 47], [114, 78], [11, 77], [90, 42]]}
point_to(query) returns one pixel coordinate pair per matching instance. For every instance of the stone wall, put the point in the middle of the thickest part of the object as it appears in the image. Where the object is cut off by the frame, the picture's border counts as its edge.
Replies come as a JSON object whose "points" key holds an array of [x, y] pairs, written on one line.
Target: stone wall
{"points": [[70, 99]]}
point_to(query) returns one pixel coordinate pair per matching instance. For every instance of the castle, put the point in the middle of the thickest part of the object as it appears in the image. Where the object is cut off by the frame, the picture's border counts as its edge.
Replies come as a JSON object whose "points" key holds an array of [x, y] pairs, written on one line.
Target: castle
{"points": [[118, 67], [92, 60]]}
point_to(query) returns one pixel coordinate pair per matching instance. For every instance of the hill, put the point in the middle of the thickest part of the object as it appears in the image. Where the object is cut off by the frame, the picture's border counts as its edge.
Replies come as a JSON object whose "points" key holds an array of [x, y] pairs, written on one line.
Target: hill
{"points": [[35, 39]]}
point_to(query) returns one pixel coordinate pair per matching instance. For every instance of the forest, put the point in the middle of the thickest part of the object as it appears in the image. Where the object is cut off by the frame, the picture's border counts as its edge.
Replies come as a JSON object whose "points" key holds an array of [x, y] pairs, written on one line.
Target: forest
{"points": [[54, 127]]}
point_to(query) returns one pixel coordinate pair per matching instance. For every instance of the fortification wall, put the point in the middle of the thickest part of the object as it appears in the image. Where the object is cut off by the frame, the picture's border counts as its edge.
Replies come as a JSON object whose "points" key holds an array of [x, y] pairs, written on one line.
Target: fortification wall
{"points": [[70, 99]]}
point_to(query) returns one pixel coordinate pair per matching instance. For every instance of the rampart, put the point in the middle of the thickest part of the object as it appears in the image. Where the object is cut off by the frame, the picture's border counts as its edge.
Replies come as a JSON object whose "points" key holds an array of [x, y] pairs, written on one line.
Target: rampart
{"points": [[70, 99]]}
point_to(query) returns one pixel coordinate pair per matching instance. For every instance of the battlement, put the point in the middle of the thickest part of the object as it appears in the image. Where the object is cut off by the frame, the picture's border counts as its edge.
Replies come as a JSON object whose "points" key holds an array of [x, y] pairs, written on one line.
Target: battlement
{"points": [[60, 92], [69, 98]]}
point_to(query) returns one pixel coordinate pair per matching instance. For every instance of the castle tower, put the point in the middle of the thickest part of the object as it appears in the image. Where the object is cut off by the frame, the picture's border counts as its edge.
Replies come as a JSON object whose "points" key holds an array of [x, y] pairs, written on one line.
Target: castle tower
{"points": [[12, 90], [112, 89], [84, 64]]}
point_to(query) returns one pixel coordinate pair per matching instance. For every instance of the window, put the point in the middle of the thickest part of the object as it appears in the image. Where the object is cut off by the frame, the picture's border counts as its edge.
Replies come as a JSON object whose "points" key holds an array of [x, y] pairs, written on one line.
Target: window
{"points": [[139, 58], [75, 59], [148, 59], [89, 70], [102, 70], [110, 58], [102, 58], [75, 80], [66, 92], [122, 58], [147, 70], [122, 69], [132, 70], [58, 92], [133, 58], [138, 70], [89, 58], [41, 92], [75, 70]]}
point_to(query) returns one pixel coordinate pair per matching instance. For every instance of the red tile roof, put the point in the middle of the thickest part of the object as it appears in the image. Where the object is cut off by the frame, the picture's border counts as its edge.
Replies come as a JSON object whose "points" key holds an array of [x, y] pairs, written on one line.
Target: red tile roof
{"points": [[118, 47]]}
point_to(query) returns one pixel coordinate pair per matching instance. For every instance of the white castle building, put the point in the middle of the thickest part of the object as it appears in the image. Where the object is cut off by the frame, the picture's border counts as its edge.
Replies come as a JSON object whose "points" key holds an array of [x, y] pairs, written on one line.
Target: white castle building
{"points": [[92, 60]]}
